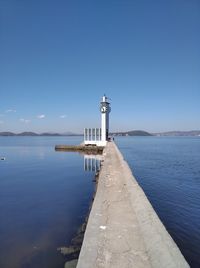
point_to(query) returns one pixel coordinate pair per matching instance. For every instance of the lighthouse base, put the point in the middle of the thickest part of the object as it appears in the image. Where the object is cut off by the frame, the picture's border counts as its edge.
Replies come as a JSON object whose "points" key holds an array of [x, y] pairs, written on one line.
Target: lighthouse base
{"points": [[97, 143], [93, 136]]}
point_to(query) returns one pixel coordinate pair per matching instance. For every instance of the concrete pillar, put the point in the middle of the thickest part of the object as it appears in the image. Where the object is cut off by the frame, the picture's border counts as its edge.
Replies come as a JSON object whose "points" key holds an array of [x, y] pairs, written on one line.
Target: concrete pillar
{"points": [[103, 126]]}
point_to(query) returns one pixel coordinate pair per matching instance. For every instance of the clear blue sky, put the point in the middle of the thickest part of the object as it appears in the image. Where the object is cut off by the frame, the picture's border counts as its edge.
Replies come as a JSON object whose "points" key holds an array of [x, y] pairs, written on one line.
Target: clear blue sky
{"points": [[58, 57]]}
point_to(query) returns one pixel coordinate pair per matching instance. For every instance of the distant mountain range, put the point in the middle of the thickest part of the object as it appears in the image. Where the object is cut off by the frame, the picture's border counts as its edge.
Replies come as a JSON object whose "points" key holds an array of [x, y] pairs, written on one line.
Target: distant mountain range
{"points": [[179, 133], [131, 133], [169, 133], [36, 134], [126, 133]]}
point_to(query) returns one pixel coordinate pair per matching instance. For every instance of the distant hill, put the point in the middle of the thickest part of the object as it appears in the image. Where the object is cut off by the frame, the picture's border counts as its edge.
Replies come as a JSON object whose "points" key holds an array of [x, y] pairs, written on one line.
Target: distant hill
{"points": [[160, 134], [179, 133], [127, 133], [132, 133], [36, 134], [26, 134], [50, 134], [123, 133], [6, 133]]}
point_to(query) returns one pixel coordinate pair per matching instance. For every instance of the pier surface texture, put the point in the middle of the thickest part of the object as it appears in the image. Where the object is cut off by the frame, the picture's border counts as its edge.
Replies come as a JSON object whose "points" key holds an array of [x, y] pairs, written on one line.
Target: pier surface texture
{"points": [[123, 229]]}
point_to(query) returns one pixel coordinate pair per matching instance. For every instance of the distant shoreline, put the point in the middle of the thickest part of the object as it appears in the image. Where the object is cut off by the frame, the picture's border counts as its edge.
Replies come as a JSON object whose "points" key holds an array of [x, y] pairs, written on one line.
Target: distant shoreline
{"points": [[33, 134], [192, 133]]}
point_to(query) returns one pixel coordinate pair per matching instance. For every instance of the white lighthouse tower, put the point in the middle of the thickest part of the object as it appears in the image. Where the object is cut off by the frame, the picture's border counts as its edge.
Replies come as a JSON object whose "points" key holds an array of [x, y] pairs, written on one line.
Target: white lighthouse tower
{"points": [[99, 136], [105, 110]]}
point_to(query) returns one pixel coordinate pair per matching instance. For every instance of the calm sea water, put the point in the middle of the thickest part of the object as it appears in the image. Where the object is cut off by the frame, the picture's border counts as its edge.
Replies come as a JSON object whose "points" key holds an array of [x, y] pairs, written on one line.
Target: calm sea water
{"points": [[45, 195], [168, 170], [44, 198]]}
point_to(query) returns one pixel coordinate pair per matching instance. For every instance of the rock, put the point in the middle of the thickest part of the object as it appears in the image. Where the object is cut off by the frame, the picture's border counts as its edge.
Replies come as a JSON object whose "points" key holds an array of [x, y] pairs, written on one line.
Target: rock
{"points": [[71, 264]]}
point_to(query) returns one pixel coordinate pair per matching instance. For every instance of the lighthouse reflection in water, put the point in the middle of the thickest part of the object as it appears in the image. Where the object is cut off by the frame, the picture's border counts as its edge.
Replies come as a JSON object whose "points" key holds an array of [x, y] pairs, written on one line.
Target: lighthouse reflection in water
{"points": [[92, 162]]}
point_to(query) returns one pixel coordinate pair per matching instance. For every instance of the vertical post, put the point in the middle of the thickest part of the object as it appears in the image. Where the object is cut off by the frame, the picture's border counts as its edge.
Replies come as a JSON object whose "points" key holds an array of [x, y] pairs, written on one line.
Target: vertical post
{"points": [[107, 126], [84, 163], [103, 126], [87, 164]]}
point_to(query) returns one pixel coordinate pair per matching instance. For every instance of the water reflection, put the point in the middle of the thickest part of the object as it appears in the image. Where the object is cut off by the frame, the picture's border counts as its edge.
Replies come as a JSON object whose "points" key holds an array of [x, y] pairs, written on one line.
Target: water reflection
{"points": [[44, 199], [92, 162]]}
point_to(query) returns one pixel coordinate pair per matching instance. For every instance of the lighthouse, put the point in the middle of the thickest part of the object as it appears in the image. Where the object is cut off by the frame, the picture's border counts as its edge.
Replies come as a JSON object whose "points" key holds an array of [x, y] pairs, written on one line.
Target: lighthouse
{"points": [[99, 136], [105, 110]]}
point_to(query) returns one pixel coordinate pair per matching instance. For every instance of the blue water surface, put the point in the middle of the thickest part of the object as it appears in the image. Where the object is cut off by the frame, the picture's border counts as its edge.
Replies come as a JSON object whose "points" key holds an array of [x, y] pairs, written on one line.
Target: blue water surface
{"points": [[45, 195], [44, 198], [168, 170]]}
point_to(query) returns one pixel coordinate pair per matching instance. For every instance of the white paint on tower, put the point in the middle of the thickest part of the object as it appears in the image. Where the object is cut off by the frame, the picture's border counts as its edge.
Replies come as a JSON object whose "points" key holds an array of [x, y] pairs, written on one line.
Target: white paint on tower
{"points": [[105, 110], [95, 136]]}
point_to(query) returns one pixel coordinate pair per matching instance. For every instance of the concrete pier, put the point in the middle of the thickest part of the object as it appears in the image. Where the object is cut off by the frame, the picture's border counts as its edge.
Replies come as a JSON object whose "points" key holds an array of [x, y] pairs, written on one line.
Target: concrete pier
{"points": [[123, 229], [87, 149]]}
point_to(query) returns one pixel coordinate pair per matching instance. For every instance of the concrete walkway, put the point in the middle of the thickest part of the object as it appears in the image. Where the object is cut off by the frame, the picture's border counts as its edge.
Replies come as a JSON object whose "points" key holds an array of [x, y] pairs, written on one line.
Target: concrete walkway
{"points": [[123, 229]]}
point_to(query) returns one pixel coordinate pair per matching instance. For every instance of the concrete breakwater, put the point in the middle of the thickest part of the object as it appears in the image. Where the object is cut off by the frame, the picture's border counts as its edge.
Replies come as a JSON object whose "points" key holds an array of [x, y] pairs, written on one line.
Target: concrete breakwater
{"points": [[123, 229], [88, 149]]}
